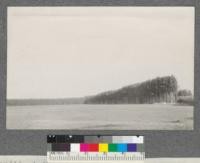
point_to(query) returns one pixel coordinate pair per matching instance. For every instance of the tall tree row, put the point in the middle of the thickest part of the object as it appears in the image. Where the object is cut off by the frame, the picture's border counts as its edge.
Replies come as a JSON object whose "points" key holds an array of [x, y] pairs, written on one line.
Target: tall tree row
{"points": [[160, 89]]}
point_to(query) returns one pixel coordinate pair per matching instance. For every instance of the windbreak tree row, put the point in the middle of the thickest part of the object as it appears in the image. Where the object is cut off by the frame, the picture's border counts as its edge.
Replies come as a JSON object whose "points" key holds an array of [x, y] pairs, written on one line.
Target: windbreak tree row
{"points": [[158, 90]]}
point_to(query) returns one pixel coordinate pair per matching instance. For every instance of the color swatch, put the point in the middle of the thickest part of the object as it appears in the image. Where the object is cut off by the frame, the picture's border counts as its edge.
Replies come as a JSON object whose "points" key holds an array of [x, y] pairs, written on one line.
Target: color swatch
{"points": [[103, 144], [102, 147]]}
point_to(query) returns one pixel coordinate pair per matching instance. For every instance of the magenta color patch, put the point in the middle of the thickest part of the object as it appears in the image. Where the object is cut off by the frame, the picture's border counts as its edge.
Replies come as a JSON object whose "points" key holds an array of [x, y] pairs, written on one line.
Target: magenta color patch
{"points": [[84, 147]]}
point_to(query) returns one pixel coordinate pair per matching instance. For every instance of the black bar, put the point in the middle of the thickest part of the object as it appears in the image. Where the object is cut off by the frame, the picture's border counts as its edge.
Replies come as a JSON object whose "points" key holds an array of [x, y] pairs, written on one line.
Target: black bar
{"points": [[65, 139], [51, 139], [65, 147], [60, 138]]}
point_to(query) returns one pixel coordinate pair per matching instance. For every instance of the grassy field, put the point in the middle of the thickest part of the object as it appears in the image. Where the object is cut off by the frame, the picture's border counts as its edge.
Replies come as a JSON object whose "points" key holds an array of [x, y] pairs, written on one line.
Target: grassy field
{"points": [[106, 117]]}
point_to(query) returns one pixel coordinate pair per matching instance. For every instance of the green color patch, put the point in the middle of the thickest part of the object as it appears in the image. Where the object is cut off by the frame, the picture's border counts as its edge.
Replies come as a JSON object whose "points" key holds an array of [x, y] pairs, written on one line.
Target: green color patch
{"points": [[112, 147]]}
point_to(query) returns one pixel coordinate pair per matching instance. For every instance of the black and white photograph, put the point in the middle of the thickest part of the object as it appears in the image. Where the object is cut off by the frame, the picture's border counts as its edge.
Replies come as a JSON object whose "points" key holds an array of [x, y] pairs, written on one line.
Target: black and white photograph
{"points": [[100, 68]]}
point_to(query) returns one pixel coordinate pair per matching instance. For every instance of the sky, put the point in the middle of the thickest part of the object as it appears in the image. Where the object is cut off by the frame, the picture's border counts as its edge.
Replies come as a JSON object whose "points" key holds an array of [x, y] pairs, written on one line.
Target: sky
{"points": [[61, 52]]}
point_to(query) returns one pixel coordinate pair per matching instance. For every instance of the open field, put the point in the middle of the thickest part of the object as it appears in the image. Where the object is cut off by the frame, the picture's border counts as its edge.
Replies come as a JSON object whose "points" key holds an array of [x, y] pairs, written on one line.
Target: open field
{"points": [[107, 117]]}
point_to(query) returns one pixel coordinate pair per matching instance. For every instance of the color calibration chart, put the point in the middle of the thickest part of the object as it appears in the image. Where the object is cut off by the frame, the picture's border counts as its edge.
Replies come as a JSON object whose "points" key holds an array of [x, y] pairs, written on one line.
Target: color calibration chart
{"points": [[88, 148]]}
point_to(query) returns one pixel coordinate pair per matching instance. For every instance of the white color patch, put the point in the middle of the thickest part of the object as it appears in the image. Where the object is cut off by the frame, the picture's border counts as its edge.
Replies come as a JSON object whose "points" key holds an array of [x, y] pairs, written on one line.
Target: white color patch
{"points": [[75, 147]]}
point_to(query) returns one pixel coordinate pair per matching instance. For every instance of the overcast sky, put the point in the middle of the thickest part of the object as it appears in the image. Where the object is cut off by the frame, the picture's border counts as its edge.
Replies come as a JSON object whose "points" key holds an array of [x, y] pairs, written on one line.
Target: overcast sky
{"points": [[58, 52]]}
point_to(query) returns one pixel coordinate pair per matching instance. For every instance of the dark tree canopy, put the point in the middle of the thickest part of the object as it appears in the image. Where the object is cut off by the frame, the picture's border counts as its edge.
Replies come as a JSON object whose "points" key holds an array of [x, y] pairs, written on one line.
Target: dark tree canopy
{"points": [[160, 89], [184, 92]]}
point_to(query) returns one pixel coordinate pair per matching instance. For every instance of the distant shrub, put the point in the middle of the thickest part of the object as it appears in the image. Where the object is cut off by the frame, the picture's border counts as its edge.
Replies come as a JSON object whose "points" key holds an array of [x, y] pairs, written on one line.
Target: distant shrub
{"points": [[184, 92], [186, 100]]}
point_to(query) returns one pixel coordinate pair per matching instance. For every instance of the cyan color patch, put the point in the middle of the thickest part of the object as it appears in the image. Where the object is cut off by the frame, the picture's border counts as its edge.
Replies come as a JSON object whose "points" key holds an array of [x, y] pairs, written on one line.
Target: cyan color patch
{"points": [[122, 147]]}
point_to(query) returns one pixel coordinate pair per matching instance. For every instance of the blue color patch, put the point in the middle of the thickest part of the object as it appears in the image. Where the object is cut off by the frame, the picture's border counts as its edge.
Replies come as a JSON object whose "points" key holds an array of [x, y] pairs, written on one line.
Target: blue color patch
{"points": [[122, 147], [132, 147]]}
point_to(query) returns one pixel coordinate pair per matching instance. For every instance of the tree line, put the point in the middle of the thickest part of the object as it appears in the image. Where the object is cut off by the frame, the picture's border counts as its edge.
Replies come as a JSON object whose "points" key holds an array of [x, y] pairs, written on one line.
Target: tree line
{"points": [[160, 89]]}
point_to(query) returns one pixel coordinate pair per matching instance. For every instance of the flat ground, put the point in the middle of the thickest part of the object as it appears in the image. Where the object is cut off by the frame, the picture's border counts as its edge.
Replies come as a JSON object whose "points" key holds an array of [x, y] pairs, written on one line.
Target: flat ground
{"points": [[106, 117]]}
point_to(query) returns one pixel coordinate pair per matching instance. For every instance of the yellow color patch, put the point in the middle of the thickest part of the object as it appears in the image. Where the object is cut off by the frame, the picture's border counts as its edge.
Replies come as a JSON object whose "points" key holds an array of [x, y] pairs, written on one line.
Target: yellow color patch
{"points": [[103, 147]]}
